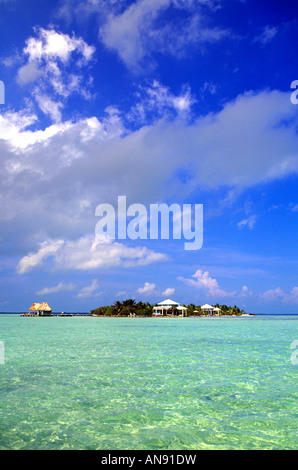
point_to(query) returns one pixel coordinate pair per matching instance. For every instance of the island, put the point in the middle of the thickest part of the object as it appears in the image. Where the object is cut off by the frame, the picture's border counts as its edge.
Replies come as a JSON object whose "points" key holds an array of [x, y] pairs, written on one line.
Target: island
{"points": [[166, 308]]}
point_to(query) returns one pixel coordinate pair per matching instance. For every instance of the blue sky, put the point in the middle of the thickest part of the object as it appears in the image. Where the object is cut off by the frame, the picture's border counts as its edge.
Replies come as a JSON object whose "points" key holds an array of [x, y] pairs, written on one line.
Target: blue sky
{"points": [[164, 101]]}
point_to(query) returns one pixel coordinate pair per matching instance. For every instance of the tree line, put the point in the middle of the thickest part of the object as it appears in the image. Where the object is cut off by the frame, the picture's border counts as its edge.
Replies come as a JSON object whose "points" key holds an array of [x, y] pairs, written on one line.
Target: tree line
{"points": [[131, 307], [125, 308]]}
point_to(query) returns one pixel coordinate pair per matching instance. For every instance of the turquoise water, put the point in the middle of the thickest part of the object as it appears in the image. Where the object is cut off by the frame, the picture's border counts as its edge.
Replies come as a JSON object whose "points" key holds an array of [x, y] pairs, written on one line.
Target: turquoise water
{"points": [[153, 384]]}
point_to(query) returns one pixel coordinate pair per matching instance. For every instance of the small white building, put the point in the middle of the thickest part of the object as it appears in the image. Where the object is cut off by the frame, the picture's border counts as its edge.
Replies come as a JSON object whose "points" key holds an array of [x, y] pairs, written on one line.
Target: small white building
{"points": [[162, 308], [207, 309]]}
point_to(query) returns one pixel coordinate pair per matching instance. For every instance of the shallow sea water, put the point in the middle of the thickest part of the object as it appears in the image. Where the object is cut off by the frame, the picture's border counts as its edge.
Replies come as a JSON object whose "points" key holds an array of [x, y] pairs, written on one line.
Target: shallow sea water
{"points": [[152, 383]]}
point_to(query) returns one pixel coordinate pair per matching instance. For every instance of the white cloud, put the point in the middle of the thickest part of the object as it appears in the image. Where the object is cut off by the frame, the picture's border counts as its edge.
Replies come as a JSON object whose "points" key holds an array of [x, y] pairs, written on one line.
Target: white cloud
{"points": [[208, 88], [88, 253], [12, 124], [137, 31], [245, 292], [126, 32], [53, 66], [157, 100], [294, 293], [47, 249], [168, 292], [59, 288], [51, 45], [268, 33], [279, 295], [147, 289], [202, 280], [29, 73], [249, 222], [274, 294], [89, 291], [251, 140], [121, 293], [49, 107]]}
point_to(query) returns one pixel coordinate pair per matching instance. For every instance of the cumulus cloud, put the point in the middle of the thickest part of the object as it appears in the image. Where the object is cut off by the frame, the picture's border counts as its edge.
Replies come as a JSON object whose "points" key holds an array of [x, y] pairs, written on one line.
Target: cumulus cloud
{"points": [[279, 295], [156, 100], [250, 140], [274, 294], [53, 66], [49, 107], [50, 44], [32, 260], [203, 281], [13, 124], [168, 292], [88, 253], [245, 292], [147, 289]]}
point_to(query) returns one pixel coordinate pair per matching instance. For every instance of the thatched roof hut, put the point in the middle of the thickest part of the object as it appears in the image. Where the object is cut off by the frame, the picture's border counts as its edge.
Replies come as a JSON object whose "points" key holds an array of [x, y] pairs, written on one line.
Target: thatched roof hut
{"points": [[41, 308], [44, 307], [34, 307]]}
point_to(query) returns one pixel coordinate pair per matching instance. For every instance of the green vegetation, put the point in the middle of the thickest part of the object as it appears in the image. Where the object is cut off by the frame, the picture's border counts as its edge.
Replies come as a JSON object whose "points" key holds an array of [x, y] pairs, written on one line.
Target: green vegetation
{"points": [[130, 307], [195, 310], [125, 308]]}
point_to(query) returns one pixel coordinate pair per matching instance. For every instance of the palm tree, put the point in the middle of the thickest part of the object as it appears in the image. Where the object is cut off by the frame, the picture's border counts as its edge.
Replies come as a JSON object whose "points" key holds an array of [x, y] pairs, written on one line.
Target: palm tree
{"points": [[129, 303], [117, 306]]}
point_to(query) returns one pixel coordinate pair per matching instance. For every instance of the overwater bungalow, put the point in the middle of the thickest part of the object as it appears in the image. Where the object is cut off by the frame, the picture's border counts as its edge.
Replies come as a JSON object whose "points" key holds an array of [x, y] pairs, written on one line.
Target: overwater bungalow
{"points": [[41, 309]]}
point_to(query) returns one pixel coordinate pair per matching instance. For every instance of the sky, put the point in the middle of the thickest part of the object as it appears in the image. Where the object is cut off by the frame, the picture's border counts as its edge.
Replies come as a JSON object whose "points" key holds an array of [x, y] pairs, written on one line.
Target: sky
{"points": [[164, 102]]}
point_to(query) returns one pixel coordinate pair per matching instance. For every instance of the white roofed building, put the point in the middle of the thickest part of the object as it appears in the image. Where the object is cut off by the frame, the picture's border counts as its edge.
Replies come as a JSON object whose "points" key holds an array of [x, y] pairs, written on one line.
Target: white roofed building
{"points": [[216, 311], [163, 308], [208, 309]]}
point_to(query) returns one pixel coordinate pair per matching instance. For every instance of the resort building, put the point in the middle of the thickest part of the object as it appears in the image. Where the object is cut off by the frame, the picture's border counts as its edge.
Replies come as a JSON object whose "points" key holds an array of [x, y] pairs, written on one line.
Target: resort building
{"points": [[166, 307], [209, 310], [216, 311]]}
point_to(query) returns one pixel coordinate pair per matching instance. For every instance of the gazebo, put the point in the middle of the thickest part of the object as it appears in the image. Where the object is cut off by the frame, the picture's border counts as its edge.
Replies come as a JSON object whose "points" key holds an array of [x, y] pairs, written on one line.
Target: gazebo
{"points": [[216, 311]]}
